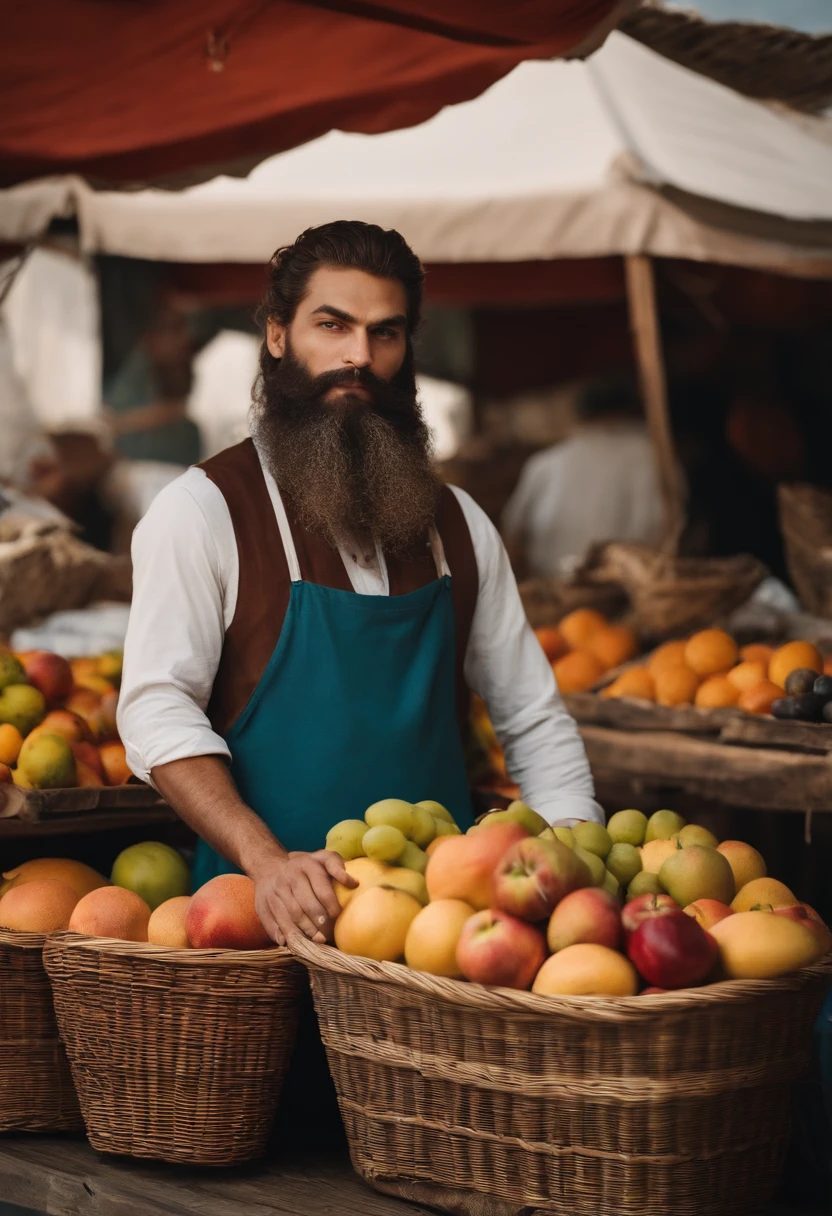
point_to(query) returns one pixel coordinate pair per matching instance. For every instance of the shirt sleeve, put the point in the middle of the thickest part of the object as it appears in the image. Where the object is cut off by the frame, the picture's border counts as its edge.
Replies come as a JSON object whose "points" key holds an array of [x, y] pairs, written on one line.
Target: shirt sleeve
{"points": [[177, 627], [505, 664]]}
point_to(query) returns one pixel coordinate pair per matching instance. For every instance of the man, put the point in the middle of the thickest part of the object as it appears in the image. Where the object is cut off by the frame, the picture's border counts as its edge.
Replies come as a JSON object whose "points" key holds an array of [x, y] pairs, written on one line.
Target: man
{"points": [[313, 606], [599, 484]]}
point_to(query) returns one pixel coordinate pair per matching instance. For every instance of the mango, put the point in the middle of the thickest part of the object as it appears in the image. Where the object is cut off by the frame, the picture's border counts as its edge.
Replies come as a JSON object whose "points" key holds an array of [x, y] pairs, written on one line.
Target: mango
{"points": [[762, 946]]}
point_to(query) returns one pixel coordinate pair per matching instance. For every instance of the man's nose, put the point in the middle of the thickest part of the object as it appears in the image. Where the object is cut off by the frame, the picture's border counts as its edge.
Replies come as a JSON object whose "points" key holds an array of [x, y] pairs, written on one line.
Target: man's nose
{"points": [[358, 352]]}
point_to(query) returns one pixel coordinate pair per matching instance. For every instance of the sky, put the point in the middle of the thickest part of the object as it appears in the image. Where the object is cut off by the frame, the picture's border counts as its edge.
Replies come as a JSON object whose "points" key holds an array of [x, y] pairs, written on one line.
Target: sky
{"points": [[811, 16]]}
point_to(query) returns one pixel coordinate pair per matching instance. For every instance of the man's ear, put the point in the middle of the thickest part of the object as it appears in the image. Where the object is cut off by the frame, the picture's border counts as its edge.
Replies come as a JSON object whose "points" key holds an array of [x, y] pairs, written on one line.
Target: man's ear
{"points": [[275, 338]]}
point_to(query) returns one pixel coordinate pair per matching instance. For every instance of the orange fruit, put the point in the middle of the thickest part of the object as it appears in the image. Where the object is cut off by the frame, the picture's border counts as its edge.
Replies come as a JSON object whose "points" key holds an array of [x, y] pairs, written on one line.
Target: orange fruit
{"points": [[791, 656], [166, 926], [756, 651], [553, 642], [112, 912], [759, 698], [716, 692], [669, 654], [114, 763], [612, 645], [637, 682], [710, 651], [577, 672], [38, 907], [11, 742], [747, 674], [827, 664], [578, 627], [676, 685]]}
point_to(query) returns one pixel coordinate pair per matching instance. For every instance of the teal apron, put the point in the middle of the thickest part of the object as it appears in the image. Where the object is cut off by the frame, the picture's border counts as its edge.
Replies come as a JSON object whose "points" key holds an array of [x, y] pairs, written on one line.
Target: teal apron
{"points": [[356, 704]]}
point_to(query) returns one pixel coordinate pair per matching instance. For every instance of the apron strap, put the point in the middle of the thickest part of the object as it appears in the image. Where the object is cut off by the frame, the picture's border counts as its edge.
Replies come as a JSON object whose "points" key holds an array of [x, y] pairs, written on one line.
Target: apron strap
{"points": [[438, 551], [287, 538]]}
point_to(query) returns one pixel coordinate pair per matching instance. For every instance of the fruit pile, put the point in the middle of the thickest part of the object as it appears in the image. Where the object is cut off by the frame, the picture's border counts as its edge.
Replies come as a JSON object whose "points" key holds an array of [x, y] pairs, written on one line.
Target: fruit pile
{"points": [[146, 900], [584, 647], [518, 904], [58, 721], [710, 671]]}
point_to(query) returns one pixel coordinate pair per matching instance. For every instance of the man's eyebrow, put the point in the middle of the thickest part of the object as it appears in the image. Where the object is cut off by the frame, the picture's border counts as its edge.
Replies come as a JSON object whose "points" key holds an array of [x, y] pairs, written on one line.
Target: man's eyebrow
{"points": [[399, 320]]}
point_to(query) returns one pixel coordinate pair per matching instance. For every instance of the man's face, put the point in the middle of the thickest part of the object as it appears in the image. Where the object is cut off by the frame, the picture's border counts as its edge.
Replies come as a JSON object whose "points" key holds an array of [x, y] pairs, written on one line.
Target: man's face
{"points": [[348, 320]]}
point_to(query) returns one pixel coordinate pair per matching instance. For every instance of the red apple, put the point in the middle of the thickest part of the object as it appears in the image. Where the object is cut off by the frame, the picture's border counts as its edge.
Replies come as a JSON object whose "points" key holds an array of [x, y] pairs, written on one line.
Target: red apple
{"points": [[642, 908], [534, 875], [49, 673], [707, 912], [588, 915], [672, 951], [464, 867], [500, 950], [652, 991], [806, 915]]}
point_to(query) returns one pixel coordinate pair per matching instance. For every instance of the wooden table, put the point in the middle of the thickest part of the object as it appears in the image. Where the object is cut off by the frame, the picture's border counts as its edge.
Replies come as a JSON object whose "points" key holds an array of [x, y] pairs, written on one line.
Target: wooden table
{"points": [[65, 1177]]}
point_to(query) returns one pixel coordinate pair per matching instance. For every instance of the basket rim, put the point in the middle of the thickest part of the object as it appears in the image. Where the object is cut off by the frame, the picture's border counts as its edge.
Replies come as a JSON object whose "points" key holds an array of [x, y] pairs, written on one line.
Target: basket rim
{"points": [[583, 1008], [21, 940], [272, 956]]}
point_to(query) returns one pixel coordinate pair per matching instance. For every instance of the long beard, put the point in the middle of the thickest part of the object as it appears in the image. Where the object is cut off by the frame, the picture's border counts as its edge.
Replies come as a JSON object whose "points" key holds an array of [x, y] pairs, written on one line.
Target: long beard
{"points": [[353, 468]]}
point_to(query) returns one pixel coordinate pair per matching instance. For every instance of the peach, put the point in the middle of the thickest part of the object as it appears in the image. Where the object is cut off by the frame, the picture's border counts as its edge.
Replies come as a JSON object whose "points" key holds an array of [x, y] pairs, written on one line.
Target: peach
{"points": [[707, 912], [375, 923], [497, 949], [87, 754], [166, 926], [222, 915], [745, 862], [464, 867], [50, 673], [655, 853], [87, 705], [40, 906], [114, 763], [366, 872], [68, 725], [433, 936], [112, 912], [587, 969], [589, 915], [766, 891], [82, 879]]}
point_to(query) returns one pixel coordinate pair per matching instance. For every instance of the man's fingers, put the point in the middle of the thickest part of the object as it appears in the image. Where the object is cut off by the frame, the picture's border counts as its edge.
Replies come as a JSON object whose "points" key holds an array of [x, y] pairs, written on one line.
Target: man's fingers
{"points": [[334, 865], [299, 916], [307, 897], [322, 887]]}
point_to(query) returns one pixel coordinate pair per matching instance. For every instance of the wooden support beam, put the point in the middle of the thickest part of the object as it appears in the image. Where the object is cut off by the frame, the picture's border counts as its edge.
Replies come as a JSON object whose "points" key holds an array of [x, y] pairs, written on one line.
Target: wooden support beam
{"points": [[644, 323]]}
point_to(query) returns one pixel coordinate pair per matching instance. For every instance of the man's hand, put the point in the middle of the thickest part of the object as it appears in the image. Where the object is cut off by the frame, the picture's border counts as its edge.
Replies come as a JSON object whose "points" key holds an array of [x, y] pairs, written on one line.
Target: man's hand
{"points": [[295, 892]]}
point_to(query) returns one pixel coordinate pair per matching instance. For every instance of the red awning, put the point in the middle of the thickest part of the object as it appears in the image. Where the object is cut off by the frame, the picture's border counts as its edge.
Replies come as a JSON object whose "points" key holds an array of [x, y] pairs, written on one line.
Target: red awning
{"points": [[148, 90]]}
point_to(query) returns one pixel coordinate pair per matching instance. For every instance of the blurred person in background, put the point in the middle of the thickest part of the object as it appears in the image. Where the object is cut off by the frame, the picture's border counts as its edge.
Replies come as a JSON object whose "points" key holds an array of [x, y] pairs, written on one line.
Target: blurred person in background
{"points": [[29, 464], [148, 395], [599, 484]]}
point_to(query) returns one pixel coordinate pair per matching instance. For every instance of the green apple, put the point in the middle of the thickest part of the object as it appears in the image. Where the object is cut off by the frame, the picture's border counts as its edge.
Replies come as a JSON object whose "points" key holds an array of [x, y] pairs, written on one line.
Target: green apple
{"points": [[627, 827], [662, 824]]}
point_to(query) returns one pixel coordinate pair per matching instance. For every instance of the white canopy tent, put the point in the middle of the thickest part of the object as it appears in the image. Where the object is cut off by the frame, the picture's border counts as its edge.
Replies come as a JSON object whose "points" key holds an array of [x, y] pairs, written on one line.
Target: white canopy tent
{"points": [[626, 153]]}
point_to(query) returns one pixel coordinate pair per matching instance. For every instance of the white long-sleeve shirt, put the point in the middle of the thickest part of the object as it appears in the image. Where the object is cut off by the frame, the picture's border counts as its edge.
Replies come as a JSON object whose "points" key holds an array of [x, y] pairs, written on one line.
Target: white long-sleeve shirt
{"points": [[185, 575]]}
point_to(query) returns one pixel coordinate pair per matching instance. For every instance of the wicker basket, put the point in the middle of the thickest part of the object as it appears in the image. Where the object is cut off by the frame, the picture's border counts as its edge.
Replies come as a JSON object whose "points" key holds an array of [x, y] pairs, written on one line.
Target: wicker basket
{"points": [[177, 1055], [672, 595], [806, 524], [487, 1102], [36, 1090]]}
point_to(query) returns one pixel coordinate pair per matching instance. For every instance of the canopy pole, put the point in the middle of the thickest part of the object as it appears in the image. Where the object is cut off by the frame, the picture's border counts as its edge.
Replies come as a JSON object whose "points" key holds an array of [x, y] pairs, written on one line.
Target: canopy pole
{"points": [[644, 324]]}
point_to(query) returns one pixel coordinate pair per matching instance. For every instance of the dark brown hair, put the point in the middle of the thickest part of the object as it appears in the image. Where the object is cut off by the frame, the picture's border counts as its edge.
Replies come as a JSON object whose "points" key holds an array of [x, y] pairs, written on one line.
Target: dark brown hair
{"points": [[348, 244]]}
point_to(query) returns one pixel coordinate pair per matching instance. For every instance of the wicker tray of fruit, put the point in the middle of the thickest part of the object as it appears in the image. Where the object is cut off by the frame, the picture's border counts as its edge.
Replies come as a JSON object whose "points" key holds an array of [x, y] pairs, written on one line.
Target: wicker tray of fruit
{"points": [[59, 747], [511, 1036], [703, 685]]}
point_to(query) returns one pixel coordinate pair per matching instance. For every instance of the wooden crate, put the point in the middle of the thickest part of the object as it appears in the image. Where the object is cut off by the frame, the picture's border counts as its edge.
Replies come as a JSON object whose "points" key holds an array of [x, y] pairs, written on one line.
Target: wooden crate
{"points": [[37, 805]]}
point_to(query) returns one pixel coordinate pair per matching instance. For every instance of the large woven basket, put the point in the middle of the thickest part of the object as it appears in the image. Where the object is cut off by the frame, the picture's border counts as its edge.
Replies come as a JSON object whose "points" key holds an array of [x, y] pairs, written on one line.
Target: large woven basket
{"points": [[806, 524], [487, 1102], [671, 595], [36, 1090], [177, 1055]]}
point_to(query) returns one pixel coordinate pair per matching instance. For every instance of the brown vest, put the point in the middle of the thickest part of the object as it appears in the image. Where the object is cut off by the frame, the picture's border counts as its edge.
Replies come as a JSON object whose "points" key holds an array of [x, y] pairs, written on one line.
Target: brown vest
{"points": [[264, 582]]}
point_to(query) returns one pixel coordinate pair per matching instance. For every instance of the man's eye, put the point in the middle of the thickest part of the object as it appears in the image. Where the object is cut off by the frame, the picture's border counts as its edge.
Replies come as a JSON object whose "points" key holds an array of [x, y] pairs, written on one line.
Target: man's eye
{"points": [[385, 332], [329, 325]]}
